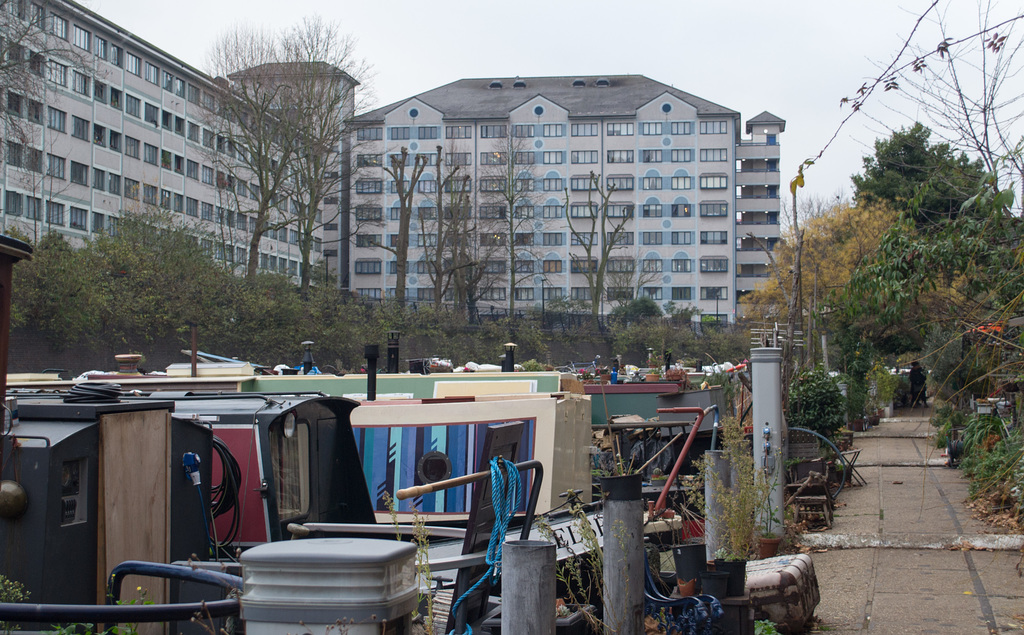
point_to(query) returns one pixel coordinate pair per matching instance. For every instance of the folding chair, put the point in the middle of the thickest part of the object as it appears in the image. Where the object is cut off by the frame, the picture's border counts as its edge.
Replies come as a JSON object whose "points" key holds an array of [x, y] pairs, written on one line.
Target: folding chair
{"points": [[850, 459]]}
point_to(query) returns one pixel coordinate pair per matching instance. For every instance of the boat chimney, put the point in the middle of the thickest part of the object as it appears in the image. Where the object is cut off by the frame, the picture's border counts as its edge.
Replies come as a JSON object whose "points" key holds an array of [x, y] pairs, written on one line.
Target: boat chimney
{"points": [[393, 337], [128, 363], [307, 358], [371, 352]]}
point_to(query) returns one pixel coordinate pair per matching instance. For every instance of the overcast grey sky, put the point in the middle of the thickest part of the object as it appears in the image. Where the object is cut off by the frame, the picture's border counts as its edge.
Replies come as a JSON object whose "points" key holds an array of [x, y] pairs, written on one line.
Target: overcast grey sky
{"points": [[795, 59]]}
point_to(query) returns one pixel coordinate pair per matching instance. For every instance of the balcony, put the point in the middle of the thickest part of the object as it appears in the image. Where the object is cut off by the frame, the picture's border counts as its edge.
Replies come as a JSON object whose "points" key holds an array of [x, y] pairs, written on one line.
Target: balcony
{"points": [[758, 176], [754, 150], [757, 203]]}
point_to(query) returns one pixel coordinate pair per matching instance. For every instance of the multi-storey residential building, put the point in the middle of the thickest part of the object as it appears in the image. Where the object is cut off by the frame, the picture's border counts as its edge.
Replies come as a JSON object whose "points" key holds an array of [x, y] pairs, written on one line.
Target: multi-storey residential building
{"points": [[113, 124], [700, 201]]}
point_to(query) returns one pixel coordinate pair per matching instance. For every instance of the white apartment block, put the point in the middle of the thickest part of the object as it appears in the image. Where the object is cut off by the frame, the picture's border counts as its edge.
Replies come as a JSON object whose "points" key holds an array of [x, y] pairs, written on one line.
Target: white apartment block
{"points": [[114, 123], [702, 199]]}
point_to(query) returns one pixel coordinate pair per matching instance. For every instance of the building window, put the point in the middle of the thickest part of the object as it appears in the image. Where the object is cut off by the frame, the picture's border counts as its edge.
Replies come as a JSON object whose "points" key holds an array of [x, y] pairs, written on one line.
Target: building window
{"points": [[99, 179], [682, 210], [620, 156], [553, 185], [553, 157], [495, 267], [494, 295], [426, 186], [682, 127], [651, 183], [682, 182], [552, 266], [714, 154], [714, 293], [150, 194], [682, 238], [653, 293], [367, 266], [584, 129], [584, 156], [369, 134], [152, 114], [682, 293], [150, 154], [152, 74], [524, 158], [583, 210], [714, 238], [458, 132], [369, 186], [131, 147], [652, 210], [179, 206], [99, 135], [114, 184], [99, 92], [714, 209], [369, 213], [718, 182], [651, 238], [427, 132], [620, 130], [80, 83], [459, 158], [524, 266], [192, 169], [133, 64], [131, 189], [79, 128], [59, 27], [522, 130], [651, 156], [191, 207], [650, 128], [55, 166], [206, 211], [684, 155], [621, 265], [580, 293], [14, 203], [33, 208], [551, 211], [682, 265], [714, 265], [132, 105], [554, 130], [525, 295], [620, 238], [619, 210], [398, 133], [582, 184], [79, 173], [492, 185], [619, 183], [714, 127], [493, 132], [523, 239], [368, 160], [367, 240], [56, 119], [652, 265], [553, 239], [54, 213], [492, 158], [78, 218]]}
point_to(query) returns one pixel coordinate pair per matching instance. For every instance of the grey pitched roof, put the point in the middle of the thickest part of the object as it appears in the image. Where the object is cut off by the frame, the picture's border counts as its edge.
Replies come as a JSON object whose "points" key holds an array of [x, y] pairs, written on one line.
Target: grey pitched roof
{"points": [[475, 99], [763, 118]]}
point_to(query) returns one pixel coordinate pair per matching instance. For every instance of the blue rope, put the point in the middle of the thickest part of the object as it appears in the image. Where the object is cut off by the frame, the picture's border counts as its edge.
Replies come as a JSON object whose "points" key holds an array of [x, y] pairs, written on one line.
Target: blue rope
{"points": [[505, 495]]}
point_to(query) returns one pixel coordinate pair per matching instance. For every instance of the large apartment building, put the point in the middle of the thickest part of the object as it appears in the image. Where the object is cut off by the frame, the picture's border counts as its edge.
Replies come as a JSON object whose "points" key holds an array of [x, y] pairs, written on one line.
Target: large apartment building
{"points": [[698, 200], [108, 123]]}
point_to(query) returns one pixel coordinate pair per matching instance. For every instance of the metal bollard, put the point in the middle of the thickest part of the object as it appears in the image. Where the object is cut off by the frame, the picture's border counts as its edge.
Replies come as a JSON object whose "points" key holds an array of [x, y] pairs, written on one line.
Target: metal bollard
{"points": [[528, 587], [360, 586], [623, 555]]}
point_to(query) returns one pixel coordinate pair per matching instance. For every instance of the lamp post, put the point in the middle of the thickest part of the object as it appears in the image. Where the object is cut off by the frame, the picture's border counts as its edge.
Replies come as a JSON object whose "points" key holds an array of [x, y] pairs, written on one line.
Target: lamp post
{"points": [[393, 337], [718, 294], [508, 365]]}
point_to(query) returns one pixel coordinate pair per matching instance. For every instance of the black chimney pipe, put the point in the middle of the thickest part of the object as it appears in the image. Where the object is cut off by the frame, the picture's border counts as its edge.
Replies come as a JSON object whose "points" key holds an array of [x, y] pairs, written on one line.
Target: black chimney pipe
{"points": [[393, 337], [371, 352]]}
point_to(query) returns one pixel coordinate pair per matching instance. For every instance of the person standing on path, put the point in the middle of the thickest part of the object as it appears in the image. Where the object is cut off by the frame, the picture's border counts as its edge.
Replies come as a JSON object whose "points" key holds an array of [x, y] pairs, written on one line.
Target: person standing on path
{"points": [[918, 380]]}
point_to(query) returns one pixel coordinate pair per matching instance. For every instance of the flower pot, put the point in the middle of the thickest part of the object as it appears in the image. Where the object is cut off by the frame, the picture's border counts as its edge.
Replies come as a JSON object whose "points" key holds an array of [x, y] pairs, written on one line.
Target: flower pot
{"points": [[690, 559], [768, 547], [857, 425], [628, 487], [686, 587], [652, 377], [606, 378], [737, 570], [714, 583]]}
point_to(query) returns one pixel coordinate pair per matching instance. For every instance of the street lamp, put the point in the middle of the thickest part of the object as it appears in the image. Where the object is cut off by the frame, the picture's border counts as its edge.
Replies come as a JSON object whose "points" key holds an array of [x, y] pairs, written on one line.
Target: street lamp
{"points": [[508, 365], [718, 294], [393, 337]]}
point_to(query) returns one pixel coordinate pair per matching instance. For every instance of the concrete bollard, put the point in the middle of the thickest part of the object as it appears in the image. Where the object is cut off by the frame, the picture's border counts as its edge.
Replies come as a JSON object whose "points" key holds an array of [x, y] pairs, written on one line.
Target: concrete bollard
{"points": [[623, 540], [360, 586], [528, 587]]}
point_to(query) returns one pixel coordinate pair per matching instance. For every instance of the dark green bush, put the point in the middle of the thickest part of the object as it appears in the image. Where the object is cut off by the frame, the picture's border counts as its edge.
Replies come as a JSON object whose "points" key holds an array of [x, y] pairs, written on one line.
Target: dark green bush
{"points": [[815, 402]]}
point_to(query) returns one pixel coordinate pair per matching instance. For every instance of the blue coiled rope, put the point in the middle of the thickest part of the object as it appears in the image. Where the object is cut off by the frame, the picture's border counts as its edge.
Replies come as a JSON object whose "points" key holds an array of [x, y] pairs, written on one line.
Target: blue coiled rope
{"points": [[506, 489]]}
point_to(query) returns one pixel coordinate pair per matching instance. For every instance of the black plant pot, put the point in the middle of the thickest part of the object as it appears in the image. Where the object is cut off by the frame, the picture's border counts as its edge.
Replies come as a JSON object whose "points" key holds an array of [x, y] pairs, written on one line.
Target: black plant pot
{"points": [[628, 487], [737, 570], [715, 583], [690, 560]]}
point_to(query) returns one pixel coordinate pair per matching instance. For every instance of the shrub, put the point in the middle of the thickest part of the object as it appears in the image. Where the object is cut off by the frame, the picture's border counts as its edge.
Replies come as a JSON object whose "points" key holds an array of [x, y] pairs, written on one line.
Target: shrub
{"points": [[815, 402]]}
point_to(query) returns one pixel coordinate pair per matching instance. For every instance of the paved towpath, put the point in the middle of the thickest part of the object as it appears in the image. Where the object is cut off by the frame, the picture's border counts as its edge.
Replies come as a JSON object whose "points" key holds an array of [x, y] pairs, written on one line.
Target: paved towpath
{"points": [[904, 554]]}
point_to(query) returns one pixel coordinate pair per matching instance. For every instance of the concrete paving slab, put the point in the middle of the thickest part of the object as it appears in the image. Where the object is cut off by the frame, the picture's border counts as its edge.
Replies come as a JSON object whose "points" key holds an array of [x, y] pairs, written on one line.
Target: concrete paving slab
{"points": [[915, 612]]}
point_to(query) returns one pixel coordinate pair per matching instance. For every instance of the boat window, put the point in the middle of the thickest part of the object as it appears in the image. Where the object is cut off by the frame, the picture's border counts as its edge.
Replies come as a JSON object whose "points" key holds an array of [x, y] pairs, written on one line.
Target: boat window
{"points": [[289, 463], [433, 467]]}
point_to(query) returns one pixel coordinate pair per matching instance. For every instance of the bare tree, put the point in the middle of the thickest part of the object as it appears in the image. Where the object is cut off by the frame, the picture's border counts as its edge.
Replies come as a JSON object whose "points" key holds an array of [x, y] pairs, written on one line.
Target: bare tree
{"points": [[506, 186], [598, 228], [322, 63], [405, 188], [444, 228]]}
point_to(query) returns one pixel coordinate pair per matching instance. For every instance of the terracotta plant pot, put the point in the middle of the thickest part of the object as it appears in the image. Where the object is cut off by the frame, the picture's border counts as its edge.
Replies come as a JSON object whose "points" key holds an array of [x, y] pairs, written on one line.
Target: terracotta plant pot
{"points": [[651, 378], [686, 587], [768, 547]]}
